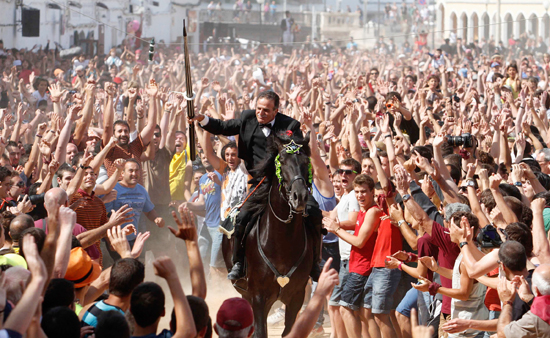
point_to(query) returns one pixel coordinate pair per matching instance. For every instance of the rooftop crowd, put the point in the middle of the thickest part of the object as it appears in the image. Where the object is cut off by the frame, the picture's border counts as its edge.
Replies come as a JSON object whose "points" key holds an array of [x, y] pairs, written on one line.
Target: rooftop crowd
{"points": [[431, 167]]}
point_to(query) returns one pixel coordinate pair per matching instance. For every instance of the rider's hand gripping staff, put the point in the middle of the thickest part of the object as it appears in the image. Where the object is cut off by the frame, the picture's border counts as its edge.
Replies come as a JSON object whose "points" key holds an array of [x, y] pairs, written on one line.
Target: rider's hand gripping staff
{"points": [[189, 96]]}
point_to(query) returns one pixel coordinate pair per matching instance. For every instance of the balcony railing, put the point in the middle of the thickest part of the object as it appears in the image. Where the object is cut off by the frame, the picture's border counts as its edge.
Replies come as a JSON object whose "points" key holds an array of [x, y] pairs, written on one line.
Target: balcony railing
{"points": [[324, 20]]}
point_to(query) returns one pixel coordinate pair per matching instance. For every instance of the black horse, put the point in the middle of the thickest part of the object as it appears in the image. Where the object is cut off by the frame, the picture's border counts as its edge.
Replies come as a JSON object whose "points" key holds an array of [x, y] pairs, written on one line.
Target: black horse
{"points": [[279, 247]]}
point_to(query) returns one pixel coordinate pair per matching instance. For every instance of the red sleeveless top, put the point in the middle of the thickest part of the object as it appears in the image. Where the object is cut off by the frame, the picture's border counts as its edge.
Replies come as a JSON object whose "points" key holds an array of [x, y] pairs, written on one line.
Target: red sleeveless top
{"points": [[360, 259]]}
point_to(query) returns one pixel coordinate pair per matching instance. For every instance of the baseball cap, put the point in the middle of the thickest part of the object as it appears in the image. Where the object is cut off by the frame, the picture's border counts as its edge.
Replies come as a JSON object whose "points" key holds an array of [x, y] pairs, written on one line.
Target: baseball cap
{"points": [[93, 134], [117, 80], [235, 314], [57, 71], [81, 270], [79, 67], [495, 64]]}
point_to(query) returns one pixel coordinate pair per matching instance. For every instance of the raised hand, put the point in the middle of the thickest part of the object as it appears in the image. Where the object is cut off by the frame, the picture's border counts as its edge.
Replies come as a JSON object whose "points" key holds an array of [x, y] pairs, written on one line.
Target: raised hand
{"points": [[164, 267], [132, 94], [204, 83], [25, 205], [328, 280], [494, 181], [56, 92], [159, 222], [73, 112], [86, 158], [430, 263], [119, 164], [32, 256], [110, 89], [152, 89], [139, 243], [186, 226], [506, 290], [66, 216], [401, 178], [216, 86], [122, 215], [42, 128], [118, 241], [400, 255]]}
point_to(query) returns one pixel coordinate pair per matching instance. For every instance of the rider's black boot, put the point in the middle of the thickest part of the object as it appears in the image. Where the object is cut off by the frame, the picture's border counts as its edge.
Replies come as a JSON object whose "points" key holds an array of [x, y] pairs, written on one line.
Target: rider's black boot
{"points": [[237, 272]]}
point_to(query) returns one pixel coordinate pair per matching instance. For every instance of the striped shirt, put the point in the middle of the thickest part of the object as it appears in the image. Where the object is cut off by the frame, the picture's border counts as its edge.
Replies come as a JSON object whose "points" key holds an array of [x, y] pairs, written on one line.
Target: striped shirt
{"points": [[90, 317], [90, 213], [135, 149]]}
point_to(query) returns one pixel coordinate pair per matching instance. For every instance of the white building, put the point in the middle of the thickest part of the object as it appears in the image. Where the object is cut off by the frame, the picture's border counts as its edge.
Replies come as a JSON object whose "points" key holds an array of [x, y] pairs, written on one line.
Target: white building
{"points": [[477, 19], [104, 21]]}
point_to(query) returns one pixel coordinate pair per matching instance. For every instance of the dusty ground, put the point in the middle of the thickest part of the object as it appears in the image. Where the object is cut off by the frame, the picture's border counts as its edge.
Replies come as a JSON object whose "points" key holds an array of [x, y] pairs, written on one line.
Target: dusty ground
{"points": [[218, 290]]}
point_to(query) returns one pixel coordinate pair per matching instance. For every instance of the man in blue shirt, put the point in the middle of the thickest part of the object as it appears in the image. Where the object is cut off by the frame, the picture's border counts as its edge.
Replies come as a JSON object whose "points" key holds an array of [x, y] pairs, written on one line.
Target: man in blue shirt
{"points": [[208, 205], [130, 192]]}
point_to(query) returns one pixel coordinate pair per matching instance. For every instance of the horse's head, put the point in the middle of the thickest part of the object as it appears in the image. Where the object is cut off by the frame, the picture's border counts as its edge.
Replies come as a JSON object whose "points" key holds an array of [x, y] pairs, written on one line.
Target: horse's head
{"points": [[293, 169]]}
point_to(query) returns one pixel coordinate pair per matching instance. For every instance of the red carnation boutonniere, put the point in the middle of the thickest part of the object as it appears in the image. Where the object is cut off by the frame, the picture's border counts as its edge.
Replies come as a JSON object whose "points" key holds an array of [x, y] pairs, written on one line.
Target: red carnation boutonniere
{"points": [[289, 132]]}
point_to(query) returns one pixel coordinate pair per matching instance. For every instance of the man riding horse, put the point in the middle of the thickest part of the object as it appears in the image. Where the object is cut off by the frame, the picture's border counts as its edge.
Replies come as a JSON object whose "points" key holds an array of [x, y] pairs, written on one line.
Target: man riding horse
{"points": [[253, 128]]}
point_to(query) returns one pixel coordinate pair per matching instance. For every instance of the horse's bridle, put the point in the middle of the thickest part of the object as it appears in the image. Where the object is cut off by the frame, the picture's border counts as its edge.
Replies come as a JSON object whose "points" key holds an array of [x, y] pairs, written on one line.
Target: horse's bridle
{"points": [[292, 211]]}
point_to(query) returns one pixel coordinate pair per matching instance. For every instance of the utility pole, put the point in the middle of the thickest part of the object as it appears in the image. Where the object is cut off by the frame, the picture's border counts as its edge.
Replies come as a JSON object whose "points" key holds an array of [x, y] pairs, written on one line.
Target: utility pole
{"points": [[364, 19], [378, 16], [433, 24], [499, 26]]}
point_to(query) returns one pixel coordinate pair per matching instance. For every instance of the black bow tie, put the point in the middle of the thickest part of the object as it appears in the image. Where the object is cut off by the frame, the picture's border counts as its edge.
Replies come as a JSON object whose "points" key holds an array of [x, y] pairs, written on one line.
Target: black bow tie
{"points": [[267, 125]]}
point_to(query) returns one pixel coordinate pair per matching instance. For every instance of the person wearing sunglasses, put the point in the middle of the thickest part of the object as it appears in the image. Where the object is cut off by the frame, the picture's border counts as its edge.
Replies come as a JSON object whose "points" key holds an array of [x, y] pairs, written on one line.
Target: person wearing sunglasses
{"points": [[345, 214], [17, 189]]}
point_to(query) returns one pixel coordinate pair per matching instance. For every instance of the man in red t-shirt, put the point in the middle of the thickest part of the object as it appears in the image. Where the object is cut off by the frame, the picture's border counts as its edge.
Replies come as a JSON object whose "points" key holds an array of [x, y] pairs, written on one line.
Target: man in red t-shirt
{"points": [[360, 261], [383, 282]]}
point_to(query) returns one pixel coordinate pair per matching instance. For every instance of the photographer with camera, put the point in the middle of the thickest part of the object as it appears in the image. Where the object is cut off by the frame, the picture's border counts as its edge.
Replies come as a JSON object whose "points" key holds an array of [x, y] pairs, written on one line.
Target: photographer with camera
{"points": [[16, 208]]}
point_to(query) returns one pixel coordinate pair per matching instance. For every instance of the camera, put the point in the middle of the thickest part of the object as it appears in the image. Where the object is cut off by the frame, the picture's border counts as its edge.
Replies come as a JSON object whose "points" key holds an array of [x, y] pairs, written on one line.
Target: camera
{"points": [[466, 140], [488, 237], [34, 199]]}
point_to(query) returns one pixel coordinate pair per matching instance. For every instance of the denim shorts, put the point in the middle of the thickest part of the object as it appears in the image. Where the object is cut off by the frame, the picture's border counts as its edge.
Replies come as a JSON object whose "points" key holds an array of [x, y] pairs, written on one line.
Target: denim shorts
{"points": [[354, 291], [410, 301], [343, 278], [380, 289], [331, 250]]}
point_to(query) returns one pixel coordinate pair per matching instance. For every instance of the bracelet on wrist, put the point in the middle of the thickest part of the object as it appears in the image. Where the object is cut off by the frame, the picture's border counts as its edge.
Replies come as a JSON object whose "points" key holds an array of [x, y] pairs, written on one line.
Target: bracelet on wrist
{"points": [[399, 266]]}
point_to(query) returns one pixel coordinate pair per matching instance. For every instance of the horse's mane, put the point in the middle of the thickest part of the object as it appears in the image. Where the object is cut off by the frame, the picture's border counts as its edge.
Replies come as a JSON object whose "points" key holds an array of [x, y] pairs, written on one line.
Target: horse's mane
{"points": [[258, 201]]}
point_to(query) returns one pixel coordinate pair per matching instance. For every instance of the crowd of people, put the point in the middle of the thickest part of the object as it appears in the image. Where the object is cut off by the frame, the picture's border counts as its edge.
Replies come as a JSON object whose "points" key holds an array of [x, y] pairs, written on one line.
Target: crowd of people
{"points": [[431, 168]]}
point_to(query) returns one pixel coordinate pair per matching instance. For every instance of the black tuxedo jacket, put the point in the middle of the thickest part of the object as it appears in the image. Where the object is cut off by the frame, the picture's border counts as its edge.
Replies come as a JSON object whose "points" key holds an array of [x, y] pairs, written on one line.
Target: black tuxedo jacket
{"points": [[252, 141]]}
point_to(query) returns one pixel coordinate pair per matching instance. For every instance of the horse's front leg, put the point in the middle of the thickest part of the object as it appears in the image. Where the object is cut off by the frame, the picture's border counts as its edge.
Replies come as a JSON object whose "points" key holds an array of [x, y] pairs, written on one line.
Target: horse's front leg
{"points": [[292, 309], [261, 308]]}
